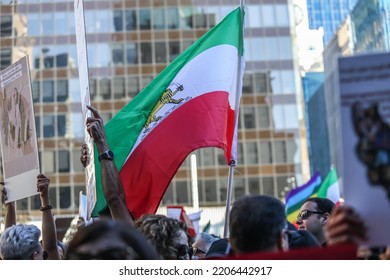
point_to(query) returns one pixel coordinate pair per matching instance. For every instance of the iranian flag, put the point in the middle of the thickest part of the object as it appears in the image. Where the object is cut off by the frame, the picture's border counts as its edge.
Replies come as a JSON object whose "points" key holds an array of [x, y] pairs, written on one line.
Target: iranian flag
{"points": [[192, 103]]}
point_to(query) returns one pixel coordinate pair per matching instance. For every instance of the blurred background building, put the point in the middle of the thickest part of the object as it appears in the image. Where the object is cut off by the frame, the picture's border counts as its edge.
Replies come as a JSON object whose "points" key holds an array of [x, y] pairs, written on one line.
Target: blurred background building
{"points": [[129, 43]]}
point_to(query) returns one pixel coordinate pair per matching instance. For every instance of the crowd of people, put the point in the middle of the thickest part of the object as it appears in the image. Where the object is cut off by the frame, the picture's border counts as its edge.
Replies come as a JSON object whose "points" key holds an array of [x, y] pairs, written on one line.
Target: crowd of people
{"points": [[258, 227]]}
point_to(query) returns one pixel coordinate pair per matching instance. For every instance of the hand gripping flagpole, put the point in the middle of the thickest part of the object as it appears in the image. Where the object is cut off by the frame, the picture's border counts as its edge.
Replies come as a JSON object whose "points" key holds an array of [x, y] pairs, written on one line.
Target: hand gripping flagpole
{"points": [[232, 162]]}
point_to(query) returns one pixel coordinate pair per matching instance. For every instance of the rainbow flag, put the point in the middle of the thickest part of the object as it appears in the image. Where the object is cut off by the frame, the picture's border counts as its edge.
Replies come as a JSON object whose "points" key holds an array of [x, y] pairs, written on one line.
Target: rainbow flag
{"points": [[297, 196]]}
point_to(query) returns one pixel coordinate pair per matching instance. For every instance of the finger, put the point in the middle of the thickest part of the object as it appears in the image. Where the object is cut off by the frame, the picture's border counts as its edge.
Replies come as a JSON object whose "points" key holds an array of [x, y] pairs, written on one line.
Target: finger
{"points": [[94, 111]]}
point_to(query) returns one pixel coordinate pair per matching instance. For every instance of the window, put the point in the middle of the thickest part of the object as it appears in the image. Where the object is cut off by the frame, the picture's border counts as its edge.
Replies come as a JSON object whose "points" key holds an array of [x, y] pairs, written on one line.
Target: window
{"points": [[61, 125], [160, 52], [262, 82], [63, 161], [119, 87], [252, 156], [182, 195], [173, 18], [268, 186], [239, 187], [103, 57], [65, 198], [132, 86], [247, 84], [48, 126], [144, 19], [34, 24], [61, 23], [36, 91], [5, 57], [6, 26], [62, 90], [210, 190], [105, 88], [265, 152], [118, 56], [47, 20], [131, 20], [146, 52], [254, 185], [264, 121], [280, 152], [249, 117], [158, 18], [49, 161], [131, 53], [174, 50], [118, 20]]}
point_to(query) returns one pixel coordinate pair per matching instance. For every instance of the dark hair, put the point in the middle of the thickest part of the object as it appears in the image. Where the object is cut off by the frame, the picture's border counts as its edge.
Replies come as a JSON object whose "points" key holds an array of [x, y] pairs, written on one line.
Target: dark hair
{"points": [[137, 245], [302, 239], [163, 232], [324, 205], [255, 223]]}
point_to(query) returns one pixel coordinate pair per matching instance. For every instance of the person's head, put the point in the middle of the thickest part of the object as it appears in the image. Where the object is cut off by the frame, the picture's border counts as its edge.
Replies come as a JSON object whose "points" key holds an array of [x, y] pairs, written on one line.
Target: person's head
{"points": [[201, 245], [313, 216], [21, 242], [168, 235], [109, 240], [257, 223]]}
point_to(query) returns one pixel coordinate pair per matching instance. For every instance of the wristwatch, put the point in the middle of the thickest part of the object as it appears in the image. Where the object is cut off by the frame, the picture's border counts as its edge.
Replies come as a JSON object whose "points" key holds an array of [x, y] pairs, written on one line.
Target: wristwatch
{"points": [[107, 155]]}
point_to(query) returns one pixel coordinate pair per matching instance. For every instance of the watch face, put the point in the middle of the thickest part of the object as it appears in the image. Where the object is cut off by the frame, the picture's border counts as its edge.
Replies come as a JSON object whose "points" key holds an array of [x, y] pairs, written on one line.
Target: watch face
{"points": [[107, 155]]}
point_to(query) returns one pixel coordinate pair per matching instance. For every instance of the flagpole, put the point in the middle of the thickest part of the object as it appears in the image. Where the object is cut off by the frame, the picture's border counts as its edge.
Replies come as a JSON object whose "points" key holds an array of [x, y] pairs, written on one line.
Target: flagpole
{"points": [[233, 163]]}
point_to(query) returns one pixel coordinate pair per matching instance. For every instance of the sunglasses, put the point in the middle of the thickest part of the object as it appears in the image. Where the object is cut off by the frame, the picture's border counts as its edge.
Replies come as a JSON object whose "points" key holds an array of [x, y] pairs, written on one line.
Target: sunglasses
{"points": [[182, 251], [303, 215]]}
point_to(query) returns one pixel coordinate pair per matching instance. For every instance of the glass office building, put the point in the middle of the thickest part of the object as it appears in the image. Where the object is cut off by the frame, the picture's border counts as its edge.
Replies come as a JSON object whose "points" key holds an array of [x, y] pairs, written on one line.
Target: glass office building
{"points": [[129, 43], [328, 14]]}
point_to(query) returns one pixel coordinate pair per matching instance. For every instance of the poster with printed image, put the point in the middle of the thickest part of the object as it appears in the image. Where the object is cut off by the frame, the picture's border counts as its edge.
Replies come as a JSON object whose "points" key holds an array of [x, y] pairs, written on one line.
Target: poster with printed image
{"points": [[18, 135], [365, 118]]}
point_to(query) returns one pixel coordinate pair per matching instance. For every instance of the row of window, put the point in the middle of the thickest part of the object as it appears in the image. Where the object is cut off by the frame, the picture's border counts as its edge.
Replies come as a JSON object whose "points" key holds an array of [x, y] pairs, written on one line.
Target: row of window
{"points": [[165, 18], [120, 87], [213, 191], [105, 54]]}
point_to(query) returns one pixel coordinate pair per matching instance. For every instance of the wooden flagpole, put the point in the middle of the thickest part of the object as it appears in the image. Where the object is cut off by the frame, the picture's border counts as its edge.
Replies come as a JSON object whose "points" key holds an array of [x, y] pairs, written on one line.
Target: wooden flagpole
{"points": [[233, 163]]}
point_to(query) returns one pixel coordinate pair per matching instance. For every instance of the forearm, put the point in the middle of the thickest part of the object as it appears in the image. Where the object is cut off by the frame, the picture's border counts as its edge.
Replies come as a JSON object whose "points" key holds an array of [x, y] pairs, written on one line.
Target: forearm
{"points": [[113, 192], [10, 214], [49, 232]]}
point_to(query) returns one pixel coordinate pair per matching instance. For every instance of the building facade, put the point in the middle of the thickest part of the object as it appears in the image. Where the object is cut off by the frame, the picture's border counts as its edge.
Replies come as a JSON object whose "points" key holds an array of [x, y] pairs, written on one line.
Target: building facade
{"points": [[316, 123], [129, 43], [328, 14]]}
